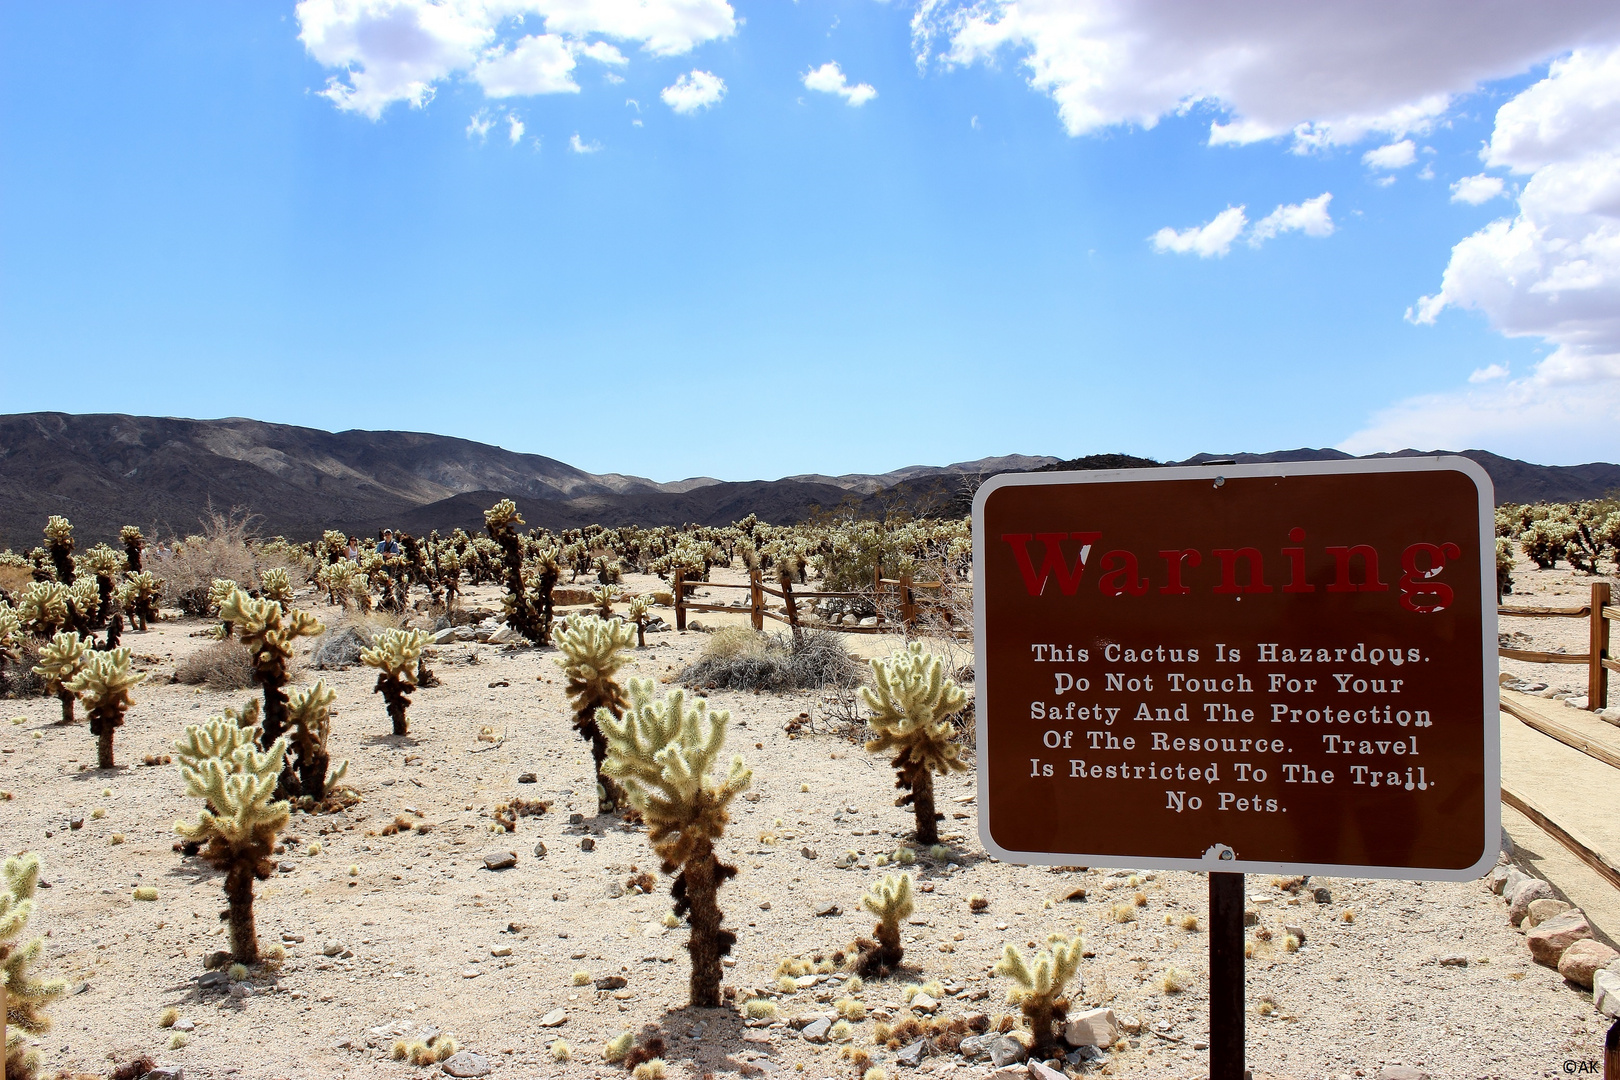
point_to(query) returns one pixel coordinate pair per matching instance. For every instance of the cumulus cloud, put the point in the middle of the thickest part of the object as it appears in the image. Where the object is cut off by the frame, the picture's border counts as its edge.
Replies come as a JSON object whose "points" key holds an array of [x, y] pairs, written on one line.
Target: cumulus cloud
{"points": [[1474, 190], [829, 79], [1322, 74], [1551, 271], [387, 51], [1211, 239], [693, 91], [1488, 373], [580, 146], [1396, 155], [1310, 217]]}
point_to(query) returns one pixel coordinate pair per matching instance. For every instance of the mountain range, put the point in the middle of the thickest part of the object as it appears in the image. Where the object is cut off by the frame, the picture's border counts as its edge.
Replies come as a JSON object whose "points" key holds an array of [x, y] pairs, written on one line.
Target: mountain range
{"points": [[164, 474]]}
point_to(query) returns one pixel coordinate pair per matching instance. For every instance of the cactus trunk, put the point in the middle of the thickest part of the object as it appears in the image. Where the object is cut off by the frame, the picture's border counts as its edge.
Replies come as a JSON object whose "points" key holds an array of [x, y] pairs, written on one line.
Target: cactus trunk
{"points": [[273, 680], [67, 699], [699, 886], [239, 898], [922, 801], [1040, 1013], [393, 692], [312, 774], [104, 746]]}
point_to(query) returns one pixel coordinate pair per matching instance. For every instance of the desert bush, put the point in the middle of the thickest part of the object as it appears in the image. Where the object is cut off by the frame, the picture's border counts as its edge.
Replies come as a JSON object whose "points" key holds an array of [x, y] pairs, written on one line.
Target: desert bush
{"points": [[1038, 986], [396, 656], [26, 993], [189, 568], [240, 818], [663, 751], [741, 658], [103, 684], [221, 666], [910, 703]]}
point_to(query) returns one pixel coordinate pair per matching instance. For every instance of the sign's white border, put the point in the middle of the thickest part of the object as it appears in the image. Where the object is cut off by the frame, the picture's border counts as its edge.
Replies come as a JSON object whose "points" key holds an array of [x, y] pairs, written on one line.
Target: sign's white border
{"points": [[1490, 826]]}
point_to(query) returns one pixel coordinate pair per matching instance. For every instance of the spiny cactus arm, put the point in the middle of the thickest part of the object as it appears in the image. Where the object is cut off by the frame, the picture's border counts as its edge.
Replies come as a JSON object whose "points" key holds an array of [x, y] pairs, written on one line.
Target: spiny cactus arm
{"points": [[1013, 966], [61, 657], [105, 678], [890, 899], [396, 653], [220, 737], [592, 647], [241, 801], [503, 515], [309, 706], [337, 772], [304, 624], [25, 995], [58, 529]]}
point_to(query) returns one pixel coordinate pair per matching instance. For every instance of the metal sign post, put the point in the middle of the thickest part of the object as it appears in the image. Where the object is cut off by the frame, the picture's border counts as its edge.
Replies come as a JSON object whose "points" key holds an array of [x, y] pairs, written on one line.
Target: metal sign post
{"points": [[1244, 669]]}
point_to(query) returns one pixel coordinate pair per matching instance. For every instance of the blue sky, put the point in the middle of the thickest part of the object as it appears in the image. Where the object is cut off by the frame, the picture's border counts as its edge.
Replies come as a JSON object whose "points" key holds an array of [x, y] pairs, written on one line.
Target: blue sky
{"points": [[323, 214]]}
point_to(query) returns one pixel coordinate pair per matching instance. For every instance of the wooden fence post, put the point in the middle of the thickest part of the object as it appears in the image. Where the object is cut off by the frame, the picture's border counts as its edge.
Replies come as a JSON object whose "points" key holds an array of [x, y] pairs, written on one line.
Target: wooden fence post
{"points": [[908, 603], [1597, 676], [756, 600], [680, 599], [792, 606]]}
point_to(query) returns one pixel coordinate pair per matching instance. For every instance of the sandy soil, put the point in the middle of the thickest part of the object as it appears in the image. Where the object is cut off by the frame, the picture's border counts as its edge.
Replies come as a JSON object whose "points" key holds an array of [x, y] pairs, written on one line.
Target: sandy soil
{"points": [[429, 928]]}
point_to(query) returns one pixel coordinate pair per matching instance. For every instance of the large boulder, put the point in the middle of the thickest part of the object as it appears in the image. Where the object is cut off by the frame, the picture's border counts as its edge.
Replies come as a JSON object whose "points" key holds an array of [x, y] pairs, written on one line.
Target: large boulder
{"points": [[1583, 959], [1606, 992], [1542, 910], [1095, 1027], [1529, 891], [1549, 940]]}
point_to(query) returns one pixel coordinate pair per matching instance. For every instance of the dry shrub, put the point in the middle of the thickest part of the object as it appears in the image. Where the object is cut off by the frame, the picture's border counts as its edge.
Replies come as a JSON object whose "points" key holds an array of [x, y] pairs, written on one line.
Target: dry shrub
{"points": [[340, 646], [224, 665], [15, 579], [740, 658], [190, 566], [18, 680]]}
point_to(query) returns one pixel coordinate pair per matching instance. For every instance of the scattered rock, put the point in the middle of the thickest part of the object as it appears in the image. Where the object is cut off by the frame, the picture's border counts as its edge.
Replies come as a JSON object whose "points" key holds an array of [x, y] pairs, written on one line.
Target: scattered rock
{"points": [[611, 982], [1529, 891], [816, 1031], [587, 844], [1295, 930], [1095, 1027], [445, 636], [539, 849], [332, 948], [924, 1003], [211, 978], [1510, 885], [554, 1018], [466, 1063], [1606, 992], [1006, 1051], [185, 1024], [241, 990], [1539, 911], [1251, 917], [501, 950], [1401, 1072], [1498, 878], [165, 1072], [1549, 940], [828, 910], [1041, 1071], [1582, 961], [500, 860], [1322, 895], [808, 852], [76, 821], [576, 818], [1454, 960], [527, 778], [912, 1055]]}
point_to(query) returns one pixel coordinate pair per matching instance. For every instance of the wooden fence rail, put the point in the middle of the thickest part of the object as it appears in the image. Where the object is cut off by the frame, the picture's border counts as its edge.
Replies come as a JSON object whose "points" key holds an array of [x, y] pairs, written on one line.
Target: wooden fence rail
{"points": [[1598, 614], [912, 608]]}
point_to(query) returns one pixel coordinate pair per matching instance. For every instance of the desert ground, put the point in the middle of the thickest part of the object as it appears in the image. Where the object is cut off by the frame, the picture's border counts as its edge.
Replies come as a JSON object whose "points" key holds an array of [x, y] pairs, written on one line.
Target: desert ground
{"points": [[388, 935]]}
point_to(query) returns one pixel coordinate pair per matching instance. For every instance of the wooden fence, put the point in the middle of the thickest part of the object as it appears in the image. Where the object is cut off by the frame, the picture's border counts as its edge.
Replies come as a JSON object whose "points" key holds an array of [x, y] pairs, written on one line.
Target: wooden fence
{"points": [[1598, 663], [903, 590]]}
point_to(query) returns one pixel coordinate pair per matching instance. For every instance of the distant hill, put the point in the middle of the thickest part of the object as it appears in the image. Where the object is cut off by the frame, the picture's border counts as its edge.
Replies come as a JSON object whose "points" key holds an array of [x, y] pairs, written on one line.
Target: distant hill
{"points": [[107, 470]]}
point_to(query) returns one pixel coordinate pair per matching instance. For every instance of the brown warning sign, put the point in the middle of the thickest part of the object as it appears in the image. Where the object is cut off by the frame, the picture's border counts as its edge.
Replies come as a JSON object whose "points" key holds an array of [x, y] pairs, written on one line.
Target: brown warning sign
{"points": [[1264, 668]]}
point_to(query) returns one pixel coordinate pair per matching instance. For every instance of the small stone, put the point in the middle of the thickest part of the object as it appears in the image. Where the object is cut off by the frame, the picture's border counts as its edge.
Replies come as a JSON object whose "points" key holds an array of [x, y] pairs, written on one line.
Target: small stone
{"points": [[539, 849], [500, 860], [241, 990], [1041, 1071], [1401, 1072], [972, 1047], [1006, 1051], [76, 821], [611, 982], [332, 948], [185, 1024], [828, 910], [1529, 891], [1095, 1027], [1454, 960], [1295, 930], [501, 950], [816, 1030], [1549, 940], [471, 973], [1539, 911], [912, 1055], [924, 1003], [1606, 992], [466, 1063], [808, 852], [1582, 961], [1132, 1025], [165, 1072], [1497, 878], [292, 939], [527, 778], [587, 844], [554, 1018], [1322, 895], [445, 636], [576, 818], [1251, 917]]}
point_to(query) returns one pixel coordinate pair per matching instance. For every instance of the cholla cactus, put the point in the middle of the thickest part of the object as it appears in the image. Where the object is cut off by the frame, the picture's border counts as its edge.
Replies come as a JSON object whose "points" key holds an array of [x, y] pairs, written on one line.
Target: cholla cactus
{"points": [[608, 570], [26, 995], [604, 596], [141, 591], [591, 656], [103, 684], [638, 613], [503, 521], [240, 820], [106, 564], [83, 600], [663, 751], [890, 899], [395, 655], [269, 633], [909, 706], [59, 542], [1039, 984], [59, 661], [134, 544], [43, 607], [222, 740], [310, 713], [274, 584], [1504, 567], [11, 638], [333, 545]]}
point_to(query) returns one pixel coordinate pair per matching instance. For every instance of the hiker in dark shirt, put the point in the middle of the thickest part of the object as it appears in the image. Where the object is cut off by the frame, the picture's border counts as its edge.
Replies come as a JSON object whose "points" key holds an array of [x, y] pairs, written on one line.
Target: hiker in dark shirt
{"points": [[388, 545]]}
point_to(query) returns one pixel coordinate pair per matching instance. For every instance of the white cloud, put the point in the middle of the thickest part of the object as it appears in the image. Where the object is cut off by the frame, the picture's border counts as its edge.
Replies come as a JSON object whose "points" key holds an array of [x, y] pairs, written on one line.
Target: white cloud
{"points": [[1552, 271], [1488, 374], [1309, 217], [1329, 74], [1474, 190], [693, 91], [478, 125], [829, 79], [514, 129], [1396, 155], [580, 146], [1213, 238], [538, 64], [386, 51]]}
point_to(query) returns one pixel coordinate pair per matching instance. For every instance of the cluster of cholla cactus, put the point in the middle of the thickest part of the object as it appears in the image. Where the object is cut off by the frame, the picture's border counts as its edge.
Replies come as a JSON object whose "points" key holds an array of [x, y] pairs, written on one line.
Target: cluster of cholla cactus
{"points": [[59, 545], [47, 607], [345, 584], [26, 994], [890, 899], [309, 712], [107, 566], [663, 751], [11, 638], [238, 824], [397, 655], [275, 584], [910, 703], [592, 654], [1038, 986], [138, 597], [603, 597], [103, 685], [1580, 533], [59, 662], [268, 632]]}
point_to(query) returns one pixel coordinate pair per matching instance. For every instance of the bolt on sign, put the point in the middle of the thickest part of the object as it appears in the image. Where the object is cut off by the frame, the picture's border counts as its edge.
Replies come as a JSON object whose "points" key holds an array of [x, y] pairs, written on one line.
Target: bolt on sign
{"points": [[1250, 668]]}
